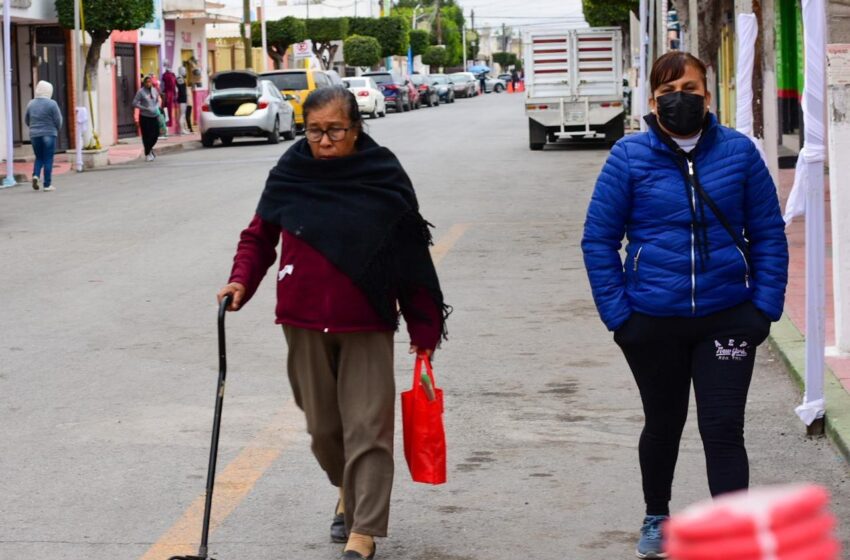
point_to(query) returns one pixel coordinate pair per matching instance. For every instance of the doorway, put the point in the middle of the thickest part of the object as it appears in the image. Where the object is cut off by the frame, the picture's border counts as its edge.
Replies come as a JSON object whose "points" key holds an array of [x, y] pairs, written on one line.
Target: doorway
{"points": [[125, 88], [52, 67], [150, 60]]}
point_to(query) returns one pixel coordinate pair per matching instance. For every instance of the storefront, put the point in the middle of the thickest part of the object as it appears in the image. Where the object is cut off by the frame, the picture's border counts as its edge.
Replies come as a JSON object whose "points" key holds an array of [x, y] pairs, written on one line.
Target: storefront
{"points": [[186, 43], [40, 51]]}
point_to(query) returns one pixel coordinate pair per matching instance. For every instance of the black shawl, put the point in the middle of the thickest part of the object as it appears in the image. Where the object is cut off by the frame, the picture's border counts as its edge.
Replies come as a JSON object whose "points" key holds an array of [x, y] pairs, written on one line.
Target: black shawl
{"points": [[360, 212]]}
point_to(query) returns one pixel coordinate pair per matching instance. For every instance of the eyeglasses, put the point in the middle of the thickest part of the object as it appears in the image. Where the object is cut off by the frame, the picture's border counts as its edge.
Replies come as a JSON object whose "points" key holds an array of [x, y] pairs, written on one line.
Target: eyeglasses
{"points": [[335, 134]]}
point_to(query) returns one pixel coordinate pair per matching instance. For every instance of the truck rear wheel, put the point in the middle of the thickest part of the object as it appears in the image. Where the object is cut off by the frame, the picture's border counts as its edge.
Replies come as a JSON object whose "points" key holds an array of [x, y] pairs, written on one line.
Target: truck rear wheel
{"points": [[536, 135], [615, 129]]}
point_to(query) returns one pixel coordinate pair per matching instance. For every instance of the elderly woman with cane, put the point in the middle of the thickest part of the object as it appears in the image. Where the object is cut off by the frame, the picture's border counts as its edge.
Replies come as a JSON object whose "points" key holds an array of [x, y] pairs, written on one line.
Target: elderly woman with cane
{"points": [[354, 250], [704, 275]]}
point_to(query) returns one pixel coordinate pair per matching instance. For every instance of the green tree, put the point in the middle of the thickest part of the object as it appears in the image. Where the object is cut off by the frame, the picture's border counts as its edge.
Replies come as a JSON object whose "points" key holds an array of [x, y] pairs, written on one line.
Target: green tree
{"points": [[391, 33], [102, 18], [435, 56], [453, 41], [608, 13], [280, 34], [505, 59], [420, 40], [323, 32], [361, 51]]}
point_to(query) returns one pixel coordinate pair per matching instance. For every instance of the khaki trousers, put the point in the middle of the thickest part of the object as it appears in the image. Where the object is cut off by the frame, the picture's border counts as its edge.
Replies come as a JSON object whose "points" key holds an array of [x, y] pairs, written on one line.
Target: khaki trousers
{"points": [[344, 384]]}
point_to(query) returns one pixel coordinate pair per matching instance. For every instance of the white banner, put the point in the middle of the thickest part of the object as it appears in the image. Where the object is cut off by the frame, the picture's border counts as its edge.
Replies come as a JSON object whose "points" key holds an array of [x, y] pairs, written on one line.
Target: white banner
{"points": [[747, 31], [807, 197]]}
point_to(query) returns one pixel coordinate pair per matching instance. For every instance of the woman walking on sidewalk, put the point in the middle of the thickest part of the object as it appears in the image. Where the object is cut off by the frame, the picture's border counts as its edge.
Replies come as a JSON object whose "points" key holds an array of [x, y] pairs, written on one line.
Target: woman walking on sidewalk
{"points": [[354, 250], [147, 101], [704, 275], [44, 119]]}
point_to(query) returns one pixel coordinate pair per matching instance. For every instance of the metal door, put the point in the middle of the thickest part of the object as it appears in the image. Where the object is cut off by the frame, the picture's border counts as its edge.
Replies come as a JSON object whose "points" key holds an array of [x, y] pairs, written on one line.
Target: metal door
{"points": [[125, 88], [52, 67]]}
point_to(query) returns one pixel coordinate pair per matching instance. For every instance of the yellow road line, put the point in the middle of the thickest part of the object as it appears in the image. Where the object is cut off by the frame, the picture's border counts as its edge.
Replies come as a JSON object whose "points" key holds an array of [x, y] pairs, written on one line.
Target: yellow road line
{"points": [[239, 477], [445, 243], [231, 486]]}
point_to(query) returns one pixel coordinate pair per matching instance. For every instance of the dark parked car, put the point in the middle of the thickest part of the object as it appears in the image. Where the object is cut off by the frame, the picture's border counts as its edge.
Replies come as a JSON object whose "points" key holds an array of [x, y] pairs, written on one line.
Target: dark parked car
{"points": [[394, 88], [427, 91], [444, 87]]}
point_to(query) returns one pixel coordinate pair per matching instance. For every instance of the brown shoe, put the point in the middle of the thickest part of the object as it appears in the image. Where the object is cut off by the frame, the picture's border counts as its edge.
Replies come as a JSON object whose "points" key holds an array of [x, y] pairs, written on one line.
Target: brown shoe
{"points": [[354, 555]]}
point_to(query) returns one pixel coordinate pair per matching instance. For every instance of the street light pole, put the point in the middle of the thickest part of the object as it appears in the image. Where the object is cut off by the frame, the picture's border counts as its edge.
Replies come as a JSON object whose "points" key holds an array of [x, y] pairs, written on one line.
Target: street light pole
{"points": [[9, 180]]}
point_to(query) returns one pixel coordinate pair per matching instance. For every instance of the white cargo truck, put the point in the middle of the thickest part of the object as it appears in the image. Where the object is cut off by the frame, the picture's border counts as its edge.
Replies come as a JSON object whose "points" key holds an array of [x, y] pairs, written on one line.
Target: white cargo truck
{"points": [[574, 85]]}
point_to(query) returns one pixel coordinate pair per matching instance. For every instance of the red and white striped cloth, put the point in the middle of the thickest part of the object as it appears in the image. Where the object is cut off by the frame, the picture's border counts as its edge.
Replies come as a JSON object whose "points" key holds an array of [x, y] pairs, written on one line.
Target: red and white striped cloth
{"points": [[773, 523]]}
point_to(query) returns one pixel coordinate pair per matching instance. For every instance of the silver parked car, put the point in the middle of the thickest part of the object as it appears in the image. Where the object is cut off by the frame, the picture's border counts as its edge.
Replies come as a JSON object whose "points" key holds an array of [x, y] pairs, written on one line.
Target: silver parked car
{"points": [[241, 103], [465, 84], [493, 85]]}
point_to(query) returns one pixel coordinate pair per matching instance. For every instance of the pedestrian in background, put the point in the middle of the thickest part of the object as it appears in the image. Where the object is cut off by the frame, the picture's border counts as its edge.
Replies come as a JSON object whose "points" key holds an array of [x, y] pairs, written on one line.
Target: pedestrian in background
{"points": [[354, 248], [482, 82], [44, 120], [147, 101], [705, 272], [169, 98], [514, 79], [183, 119]]}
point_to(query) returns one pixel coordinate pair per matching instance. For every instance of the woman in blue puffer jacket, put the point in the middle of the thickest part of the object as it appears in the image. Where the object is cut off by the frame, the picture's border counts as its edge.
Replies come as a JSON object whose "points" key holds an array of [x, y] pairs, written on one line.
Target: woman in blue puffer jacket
{"points": [[704, 275]]}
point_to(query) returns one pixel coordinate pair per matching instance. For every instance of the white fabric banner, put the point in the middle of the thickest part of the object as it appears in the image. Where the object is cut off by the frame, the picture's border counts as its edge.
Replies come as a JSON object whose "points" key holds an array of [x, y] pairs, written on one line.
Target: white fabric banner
{"points": [[807, 197], [747, 30], [814, 91]]}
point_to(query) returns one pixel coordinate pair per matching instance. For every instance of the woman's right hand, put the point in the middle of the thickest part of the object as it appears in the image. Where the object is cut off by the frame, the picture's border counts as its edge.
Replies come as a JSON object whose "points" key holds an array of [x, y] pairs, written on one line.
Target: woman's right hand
{"points": [[236, 290]]}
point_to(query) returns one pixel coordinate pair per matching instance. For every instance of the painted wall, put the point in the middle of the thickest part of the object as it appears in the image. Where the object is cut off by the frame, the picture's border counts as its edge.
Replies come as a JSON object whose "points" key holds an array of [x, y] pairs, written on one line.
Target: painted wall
{"points": [[37, 11]]}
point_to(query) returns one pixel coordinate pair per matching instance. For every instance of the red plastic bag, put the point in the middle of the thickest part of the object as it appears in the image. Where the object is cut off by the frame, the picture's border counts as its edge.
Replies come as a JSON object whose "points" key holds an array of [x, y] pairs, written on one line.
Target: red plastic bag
{"points": [[424, 436]]}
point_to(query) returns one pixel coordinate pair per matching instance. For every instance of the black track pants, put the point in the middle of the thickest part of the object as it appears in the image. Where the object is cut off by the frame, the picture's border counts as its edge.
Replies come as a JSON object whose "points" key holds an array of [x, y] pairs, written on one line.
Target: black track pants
{"points": [[717, 353]]}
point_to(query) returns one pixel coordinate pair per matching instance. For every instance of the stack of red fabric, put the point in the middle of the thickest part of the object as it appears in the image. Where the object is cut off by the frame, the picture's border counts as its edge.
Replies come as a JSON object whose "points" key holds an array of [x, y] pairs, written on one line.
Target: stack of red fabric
{"points": [[774, 523]]}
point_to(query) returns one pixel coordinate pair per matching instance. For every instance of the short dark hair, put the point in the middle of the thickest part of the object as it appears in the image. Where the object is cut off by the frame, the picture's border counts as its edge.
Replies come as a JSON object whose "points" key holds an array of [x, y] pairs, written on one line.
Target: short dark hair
{"points": [[325, 96], [671, 66]]}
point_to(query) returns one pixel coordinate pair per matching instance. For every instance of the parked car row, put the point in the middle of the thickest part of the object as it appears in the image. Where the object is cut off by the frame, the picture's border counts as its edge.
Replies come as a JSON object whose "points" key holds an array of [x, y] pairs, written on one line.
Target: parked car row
{"points": [[269, 105]]}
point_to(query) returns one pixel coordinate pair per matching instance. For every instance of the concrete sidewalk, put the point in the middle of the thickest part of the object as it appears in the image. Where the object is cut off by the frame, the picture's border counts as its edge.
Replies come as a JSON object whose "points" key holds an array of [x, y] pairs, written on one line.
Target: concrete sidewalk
{"points": [[787, 336], [127, 150]]}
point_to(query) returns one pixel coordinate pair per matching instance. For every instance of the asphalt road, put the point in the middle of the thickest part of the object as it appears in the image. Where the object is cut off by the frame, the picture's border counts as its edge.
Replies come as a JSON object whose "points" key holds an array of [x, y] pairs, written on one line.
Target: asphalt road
{"points": [[108, 366]]}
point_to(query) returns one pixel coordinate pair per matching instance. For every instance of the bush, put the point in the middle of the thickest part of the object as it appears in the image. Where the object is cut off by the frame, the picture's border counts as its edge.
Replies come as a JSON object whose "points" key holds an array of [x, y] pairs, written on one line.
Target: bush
{"points": [[391, 33], [361, 51], [435, 56], [420, 40]]}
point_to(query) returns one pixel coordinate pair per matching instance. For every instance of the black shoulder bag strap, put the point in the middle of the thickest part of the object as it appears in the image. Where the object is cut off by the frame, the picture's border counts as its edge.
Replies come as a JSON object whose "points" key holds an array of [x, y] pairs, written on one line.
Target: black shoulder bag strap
{"points": [[724, 221], [740, 242]]}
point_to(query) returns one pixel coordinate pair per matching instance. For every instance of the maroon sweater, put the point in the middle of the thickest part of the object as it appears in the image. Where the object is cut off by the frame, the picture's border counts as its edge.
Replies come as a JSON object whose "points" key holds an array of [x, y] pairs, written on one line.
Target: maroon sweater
{"points": [[313, 294]]}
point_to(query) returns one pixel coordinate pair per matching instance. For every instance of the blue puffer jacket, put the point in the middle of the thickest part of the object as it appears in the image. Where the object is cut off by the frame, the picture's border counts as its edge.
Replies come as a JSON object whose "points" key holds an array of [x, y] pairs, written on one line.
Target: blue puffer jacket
{"points": [[643, 193]]}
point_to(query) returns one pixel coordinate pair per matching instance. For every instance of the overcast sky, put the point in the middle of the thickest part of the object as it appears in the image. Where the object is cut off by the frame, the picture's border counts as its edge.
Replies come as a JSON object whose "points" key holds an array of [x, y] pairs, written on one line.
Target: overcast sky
{"points": [[527, 14]]}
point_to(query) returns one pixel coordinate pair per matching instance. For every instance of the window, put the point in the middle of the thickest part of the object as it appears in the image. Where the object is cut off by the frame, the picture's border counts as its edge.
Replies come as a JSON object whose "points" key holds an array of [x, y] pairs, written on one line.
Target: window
{"points": [[288, 81]]}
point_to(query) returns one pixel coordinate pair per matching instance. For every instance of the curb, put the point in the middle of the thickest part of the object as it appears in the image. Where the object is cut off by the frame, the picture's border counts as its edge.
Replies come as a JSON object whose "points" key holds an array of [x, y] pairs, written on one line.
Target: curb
{"points": [[790, 344]]}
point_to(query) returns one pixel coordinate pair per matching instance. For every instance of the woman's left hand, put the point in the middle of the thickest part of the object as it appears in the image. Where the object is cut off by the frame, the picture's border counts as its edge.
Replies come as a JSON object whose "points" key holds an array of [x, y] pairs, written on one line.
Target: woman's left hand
{"points": [[415, 350]]}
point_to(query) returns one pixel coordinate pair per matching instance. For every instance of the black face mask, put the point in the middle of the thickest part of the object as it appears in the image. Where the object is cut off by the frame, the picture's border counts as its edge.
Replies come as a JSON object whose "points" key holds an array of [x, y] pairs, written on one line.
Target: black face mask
{"points": [[681, 113]]}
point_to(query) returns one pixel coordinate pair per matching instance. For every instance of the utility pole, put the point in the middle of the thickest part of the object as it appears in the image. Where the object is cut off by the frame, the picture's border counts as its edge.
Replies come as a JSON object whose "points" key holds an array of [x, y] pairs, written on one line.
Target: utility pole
{"points": [[504, 38], [262, 9], [439, 22], [246, 34], [463, 35]]}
